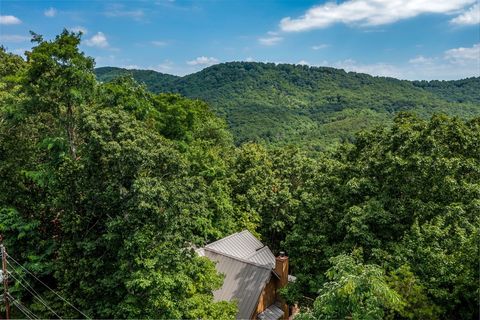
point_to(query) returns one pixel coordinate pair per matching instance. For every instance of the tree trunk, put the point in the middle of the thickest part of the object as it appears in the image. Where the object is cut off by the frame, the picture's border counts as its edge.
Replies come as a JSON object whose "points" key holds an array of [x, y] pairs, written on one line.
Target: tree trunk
{"points": [[71, 132]]}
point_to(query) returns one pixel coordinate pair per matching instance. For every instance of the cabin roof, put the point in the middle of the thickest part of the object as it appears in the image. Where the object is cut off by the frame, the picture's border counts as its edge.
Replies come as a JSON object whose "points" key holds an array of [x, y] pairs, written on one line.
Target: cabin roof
{"points": [[244, 245], [247, 265], [273, 312]]}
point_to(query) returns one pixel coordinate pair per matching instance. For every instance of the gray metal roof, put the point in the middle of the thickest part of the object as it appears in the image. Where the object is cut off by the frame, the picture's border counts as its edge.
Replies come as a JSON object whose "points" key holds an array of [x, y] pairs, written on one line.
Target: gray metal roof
{"points": [[247, 265], [243, 283], [263, 256], [271, 313], [246, 246]]}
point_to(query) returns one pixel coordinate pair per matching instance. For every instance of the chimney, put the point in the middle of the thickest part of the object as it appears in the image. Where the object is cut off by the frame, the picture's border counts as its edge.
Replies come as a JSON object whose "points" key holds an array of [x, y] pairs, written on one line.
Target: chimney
{"points": [[281, 268]]}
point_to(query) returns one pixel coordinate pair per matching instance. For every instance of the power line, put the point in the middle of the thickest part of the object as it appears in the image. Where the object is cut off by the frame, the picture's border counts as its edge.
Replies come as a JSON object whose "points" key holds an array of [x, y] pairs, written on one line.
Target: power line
{"points": [[36, 295], [83, 314], [23, 309]]}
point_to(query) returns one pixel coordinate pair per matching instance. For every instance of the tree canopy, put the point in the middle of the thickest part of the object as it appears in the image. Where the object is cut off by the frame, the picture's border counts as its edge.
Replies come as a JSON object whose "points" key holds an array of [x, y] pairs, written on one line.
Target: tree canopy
{"points": [[315, 108], [106, 189]]}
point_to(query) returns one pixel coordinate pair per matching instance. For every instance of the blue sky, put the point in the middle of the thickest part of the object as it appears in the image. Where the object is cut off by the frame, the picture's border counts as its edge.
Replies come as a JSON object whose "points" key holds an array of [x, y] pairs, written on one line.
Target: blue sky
{"points": [[407, 39]]}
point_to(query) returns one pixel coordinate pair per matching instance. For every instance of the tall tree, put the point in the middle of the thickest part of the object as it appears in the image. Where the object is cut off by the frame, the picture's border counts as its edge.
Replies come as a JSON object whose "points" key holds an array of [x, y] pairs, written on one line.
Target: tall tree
{"points": [[60, 81], [107, 194], [354, 291], [402, 194]]}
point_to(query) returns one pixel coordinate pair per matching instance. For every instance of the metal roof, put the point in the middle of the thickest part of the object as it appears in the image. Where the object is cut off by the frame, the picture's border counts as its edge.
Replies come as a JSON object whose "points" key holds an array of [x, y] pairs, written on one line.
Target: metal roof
{"points": [[243, 282], [246, 246], [247, 265], [271, 313], [263, 256]]}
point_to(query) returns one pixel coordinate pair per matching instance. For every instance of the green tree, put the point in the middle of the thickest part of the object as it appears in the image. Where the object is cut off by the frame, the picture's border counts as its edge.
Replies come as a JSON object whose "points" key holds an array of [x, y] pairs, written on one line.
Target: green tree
{"points": [[416, 305], [406, 195], [111, 201], [60, 81], [267, 185], [314, 108], [354, 291]]}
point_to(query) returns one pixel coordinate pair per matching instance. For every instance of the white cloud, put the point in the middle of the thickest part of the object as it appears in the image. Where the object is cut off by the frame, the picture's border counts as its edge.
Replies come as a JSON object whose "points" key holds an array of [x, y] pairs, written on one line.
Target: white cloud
{"points": [[455, 63], [158, 43], [270, 41], [50, 12], [98, 40], [420, 60], [79, 29], [7, 20], [378, 69], [320, 46], [110, 60], [469, 17], [203, 61], [118, 10], [303, 63], [13, 38], [369, 12], [464, 55], [166, 66], [249, 59]]}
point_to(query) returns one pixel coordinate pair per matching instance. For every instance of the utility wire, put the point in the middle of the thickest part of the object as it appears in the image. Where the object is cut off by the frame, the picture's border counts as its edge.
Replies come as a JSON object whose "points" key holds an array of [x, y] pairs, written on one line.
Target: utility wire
{"points": [[23, 309], [36, 295], [83, 314]]}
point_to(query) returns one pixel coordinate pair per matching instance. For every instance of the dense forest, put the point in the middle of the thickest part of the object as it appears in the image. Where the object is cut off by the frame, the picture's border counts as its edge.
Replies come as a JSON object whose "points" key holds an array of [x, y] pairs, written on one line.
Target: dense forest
{"points": [[465, 90], [106, 188], [316, 108]]}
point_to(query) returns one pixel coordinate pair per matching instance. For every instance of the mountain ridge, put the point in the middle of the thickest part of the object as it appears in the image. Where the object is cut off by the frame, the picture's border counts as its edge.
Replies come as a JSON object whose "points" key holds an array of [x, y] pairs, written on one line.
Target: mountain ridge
{"points": [[314, 107], [107, 69]]}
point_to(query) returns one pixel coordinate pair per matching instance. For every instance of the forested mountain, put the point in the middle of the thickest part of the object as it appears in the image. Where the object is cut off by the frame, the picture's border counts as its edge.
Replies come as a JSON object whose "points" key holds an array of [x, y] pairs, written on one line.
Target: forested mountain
{"points": [[465, 90], [156, 81], [309, 106], [107, 188]]}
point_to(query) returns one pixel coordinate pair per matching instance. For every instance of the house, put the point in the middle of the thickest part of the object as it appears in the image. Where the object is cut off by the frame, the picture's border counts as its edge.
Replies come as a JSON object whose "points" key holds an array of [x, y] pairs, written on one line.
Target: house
{"points": [[253, 276]]}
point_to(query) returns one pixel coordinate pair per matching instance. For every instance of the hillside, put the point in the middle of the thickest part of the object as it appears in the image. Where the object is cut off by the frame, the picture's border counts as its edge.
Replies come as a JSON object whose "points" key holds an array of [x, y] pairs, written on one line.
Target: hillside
{"points": [[465, 90], [315, 107], [156, 81]]}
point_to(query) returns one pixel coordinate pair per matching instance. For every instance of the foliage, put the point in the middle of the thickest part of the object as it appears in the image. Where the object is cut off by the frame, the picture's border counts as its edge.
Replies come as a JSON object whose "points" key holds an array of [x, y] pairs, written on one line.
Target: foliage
{"points": [[312, 107], [416, 304], [267, 188], [406, 195], [353, 291], [111, 184], [465, 90], [154, 80], [106, 188]]}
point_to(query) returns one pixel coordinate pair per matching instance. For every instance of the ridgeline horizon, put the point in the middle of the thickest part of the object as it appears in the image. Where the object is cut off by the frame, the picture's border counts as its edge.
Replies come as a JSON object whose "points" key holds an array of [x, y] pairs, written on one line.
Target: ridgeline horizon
{"points": [[314, 107], [280, 64]]}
